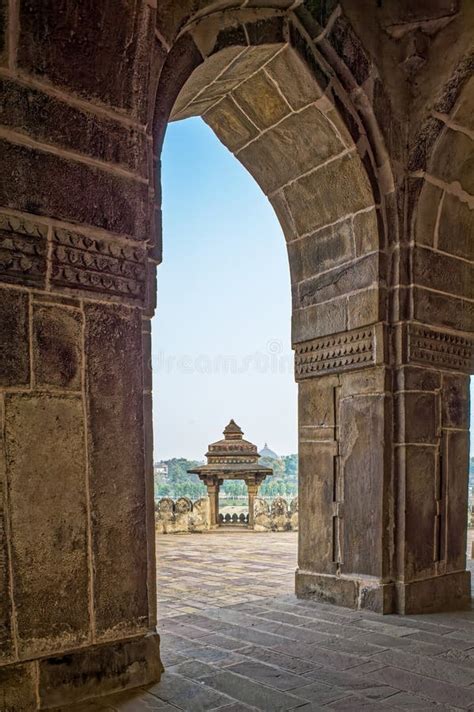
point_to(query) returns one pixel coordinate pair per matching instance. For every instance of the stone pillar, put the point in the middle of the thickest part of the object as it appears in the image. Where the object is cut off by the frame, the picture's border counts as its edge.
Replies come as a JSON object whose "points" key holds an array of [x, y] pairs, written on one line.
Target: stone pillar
{"points": [[252, 489], [212, 484], [431, 426], [383, 470], [77, 562]]}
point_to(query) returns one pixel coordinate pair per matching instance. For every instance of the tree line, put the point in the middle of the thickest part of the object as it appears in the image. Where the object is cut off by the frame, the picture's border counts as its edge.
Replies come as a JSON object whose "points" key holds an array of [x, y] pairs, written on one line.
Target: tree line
{"points": [[179, 483]]}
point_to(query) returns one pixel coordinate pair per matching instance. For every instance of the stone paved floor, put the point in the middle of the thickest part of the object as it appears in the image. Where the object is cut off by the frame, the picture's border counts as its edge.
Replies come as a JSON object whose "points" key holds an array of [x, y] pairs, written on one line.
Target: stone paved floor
{"points": [[222, 569], [235, 639]]}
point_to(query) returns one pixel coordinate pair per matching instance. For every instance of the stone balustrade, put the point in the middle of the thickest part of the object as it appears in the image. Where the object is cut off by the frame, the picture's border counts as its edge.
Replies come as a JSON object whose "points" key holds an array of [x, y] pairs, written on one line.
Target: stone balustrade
{"points": [[183, 515], [276, 516]]}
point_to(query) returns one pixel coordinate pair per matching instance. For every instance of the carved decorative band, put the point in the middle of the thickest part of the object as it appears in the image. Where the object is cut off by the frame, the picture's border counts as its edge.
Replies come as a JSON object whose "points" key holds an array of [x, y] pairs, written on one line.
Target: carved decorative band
{"points": [[22, 251], [85, 263], [232, 460], [339, 352], [438, 348]]}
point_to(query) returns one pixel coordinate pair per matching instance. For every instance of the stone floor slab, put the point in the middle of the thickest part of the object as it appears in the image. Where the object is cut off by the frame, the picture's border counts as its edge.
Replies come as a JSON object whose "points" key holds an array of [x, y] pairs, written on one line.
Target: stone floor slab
{"points": [[235, 639], [252, 693]]}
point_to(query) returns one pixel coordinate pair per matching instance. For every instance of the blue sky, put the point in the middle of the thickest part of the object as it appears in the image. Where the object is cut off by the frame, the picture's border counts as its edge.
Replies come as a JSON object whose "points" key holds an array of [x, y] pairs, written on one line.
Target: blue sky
{"points": [[221, 334]]}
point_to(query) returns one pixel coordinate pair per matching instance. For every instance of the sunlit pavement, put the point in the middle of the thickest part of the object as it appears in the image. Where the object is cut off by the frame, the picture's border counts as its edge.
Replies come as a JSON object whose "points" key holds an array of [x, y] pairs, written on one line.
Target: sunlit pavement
{"points": [[222, 568], [235, 639]]}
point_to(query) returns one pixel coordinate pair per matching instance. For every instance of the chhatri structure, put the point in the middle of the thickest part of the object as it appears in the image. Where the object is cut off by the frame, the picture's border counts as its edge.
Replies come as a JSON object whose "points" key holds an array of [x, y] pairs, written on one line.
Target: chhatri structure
{"points": [[232, 458]]}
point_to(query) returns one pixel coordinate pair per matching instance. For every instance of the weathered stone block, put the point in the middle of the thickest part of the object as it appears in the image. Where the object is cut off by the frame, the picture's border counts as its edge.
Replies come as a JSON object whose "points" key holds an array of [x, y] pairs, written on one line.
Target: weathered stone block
{"points": [[52, 121], [418, 417], [46, 184], [363, 433], [364, 382], [249, 62], [419, 465], [431, 595], [322, 250], [125, 30], [46, 479], [18, 688], [294, 79], [261, 101], [316, 487], [318, 320], [442, 310], [341, 280], [333, 191], [457, 472], [288, 150], [99, 671], [317, 403], [456, 228], [57, 347], [455, 401], [113, 343], [188, 101], [376, 596], [366, 232], [443, 273], [14, 339], [230, 124], [416, 378], [365, 307], [327, 589]]}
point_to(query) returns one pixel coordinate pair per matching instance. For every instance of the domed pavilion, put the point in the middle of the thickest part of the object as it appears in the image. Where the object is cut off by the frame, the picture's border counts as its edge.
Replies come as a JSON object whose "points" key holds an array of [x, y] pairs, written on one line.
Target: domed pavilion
{"points": [[231, 458]]}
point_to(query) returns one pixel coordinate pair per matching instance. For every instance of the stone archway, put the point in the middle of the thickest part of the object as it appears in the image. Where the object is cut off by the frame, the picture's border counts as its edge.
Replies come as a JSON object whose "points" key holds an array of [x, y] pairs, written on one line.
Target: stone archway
{"points": [[291, 136], [382, 323]]}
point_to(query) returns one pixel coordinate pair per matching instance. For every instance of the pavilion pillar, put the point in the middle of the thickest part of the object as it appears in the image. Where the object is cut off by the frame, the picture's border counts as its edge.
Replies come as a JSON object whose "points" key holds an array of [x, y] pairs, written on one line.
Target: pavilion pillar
{"points": [[212, 484], [252, 489]]}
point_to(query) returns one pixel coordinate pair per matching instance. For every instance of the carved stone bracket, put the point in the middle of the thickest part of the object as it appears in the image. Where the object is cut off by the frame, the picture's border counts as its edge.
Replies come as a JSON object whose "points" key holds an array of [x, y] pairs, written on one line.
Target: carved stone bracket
{"points": [[97, 265], [348, 350], [439, 348], [22, 251]]}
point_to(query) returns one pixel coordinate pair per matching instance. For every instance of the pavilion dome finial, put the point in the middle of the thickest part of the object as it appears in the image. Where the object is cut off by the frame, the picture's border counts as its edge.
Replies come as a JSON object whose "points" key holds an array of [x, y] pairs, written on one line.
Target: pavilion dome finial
{"points": [[232, 456], [232, 431]]}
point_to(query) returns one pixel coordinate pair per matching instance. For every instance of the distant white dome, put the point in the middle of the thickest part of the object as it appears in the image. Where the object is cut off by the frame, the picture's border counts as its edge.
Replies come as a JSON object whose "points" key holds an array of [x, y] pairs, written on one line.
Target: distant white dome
{"points": [[269, 454]]}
